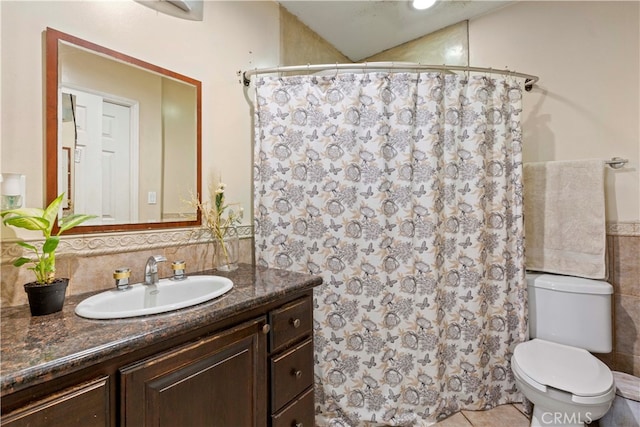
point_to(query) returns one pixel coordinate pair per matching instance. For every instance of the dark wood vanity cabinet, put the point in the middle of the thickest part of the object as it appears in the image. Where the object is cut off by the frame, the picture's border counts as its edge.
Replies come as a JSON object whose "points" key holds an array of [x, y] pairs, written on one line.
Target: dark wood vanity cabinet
{"points": [[215, 382], [253, 369], [291, 364], [223, 380]]}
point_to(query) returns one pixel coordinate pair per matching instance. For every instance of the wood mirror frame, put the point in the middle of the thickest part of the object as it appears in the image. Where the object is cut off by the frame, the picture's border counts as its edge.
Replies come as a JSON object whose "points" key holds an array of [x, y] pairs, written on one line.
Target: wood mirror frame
{"points": [[53, 38]]}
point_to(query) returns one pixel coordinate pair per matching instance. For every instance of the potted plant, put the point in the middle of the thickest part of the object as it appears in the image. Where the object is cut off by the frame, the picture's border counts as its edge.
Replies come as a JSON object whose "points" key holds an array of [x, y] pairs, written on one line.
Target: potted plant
{"points": [[46, 294]]}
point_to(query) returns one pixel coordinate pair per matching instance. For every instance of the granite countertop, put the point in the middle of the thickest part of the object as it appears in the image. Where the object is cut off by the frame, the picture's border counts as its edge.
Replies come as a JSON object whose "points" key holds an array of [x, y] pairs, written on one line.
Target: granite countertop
{"points": [[37, 349]]}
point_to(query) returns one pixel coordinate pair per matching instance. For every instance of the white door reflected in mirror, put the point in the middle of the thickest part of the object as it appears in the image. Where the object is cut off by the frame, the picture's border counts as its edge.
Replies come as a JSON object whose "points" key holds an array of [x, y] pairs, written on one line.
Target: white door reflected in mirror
{"points": [[102, 173]]}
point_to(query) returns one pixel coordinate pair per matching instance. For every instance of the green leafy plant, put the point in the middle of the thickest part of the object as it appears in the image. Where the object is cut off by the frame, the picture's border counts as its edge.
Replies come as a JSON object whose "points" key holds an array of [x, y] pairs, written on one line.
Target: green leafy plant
{"points": [[43, 220]]}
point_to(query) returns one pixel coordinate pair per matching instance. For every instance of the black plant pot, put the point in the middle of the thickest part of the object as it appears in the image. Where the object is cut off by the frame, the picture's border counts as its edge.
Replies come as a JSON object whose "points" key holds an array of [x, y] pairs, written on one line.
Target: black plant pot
{"points": [[46, 299]]}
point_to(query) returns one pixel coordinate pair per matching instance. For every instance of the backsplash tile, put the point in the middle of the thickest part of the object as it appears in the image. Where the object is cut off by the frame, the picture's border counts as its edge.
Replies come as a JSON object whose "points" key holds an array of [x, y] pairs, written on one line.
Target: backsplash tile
{"points": [[95, 272], [628, 363], [624, 276], [627, 321], [625, 265]]}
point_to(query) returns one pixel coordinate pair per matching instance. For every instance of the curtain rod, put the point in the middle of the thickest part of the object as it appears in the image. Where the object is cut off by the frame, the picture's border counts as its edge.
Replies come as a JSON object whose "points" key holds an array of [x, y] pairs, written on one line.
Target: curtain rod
{"points": [[530, 80]]}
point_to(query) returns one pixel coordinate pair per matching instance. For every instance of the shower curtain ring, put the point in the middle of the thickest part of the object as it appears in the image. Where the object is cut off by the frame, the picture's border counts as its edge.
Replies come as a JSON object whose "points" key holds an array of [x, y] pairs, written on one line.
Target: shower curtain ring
{"points": [[336, 75]]}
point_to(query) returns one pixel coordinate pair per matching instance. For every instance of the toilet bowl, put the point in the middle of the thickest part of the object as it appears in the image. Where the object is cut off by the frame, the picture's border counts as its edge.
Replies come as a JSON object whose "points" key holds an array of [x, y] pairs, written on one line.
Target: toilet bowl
{"points": [[568, 317], [567, 385]]}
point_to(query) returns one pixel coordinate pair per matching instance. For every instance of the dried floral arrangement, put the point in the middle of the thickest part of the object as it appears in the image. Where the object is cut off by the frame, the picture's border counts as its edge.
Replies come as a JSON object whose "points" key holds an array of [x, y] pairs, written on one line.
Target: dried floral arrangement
{"points": [[218, 217]]}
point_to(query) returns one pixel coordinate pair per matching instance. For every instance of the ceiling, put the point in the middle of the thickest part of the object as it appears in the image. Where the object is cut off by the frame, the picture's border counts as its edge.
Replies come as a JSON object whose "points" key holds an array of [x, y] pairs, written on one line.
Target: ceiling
{"points": [[362, 28]]}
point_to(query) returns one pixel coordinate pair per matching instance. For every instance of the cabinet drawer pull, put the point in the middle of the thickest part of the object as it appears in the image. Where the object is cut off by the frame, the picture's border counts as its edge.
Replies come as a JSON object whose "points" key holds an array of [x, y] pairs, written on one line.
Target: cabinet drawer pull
{"points": [[295, 323], [266, 328], [297, 373]]}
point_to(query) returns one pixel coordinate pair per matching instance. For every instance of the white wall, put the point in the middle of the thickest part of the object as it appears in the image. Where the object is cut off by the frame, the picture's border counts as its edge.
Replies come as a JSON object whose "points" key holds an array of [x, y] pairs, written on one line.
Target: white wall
{"points": [[586, 104], [234, 35]]}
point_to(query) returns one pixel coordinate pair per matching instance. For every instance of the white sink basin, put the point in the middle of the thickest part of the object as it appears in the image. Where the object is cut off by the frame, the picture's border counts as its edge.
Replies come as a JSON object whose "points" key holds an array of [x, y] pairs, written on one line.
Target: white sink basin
{"points": [[140, 299]]}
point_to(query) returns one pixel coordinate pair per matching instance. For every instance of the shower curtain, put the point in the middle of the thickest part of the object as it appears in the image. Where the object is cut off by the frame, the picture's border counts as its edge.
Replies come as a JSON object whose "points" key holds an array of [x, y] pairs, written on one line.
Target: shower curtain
{"points": [[404, 192]]}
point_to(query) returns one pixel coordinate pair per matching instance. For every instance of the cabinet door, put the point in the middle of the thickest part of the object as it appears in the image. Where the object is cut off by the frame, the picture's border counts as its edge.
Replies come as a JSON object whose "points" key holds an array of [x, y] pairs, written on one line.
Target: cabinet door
{"points": [[86, 405], [217, 381]]}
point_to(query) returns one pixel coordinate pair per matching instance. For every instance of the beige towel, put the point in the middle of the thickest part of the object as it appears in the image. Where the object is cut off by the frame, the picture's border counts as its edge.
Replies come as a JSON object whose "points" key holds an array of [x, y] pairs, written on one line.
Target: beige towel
{"points": [[564, 217]]}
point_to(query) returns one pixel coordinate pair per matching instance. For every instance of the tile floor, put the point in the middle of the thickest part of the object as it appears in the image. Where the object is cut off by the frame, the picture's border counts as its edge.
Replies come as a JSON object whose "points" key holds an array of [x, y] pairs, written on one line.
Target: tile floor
{"points": [[500, 416]]}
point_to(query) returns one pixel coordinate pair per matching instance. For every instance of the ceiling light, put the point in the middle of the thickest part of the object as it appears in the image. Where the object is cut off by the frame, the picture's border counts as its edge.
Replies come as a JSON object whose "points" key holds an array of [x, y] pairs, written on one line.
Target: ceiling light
{"points": [[423, 4]]}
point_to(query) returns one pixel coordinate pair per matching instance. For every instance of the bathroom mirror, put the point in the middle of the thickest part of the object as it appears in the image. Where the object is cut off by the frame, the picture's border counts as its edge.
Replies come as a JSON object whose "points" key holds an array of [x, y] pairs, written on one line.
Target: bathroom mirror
{"points": [[123, 138]]}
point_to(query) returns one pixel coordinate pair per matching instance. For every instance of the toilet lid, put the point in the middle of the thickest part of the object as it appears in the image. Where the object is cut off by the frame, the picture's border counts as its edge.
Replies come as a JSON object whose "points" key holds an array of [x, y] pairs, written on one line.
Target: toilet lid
{"points": [[571, 369]]}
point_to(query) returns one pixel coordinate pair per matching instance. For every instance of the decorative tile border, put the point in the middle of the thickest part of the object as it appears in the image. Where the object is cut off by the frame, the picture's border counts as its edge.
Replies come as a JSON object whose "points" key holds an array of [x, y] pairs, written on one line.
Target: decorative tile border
{"points": [[630, 228], [108, 243]]}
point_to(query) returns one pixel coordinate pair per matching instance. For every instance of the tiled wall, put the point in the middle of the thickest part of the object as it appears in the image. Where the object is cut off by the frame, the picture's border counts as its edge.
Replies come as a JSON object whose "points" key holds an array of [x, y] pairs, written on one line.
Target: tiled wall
{"points": [[624, 275], [95, 272]]}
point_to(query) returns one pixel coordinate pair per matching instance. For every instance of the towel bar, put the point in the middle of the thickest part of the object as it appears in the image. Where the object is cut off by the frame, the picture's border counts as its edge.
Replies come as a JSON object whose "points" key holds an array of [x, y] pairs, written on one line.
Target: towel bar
{"points": [[616, 162]]}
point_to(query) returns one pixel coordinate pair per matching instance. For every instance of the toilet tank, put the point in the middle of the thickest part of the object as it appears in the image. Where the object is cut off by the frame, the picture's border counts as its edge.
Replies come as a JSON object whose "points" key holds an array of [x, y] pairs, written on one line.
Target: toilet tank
{"points": [[570, 310]]}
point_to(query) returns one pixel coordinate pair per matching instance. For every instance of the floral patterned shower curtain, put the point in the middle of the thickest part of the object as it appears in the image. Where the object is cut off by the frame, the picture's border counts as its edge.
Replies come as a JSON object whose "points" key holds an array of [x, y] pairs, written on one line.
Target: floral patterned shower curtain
{"points": [[403, 191]]}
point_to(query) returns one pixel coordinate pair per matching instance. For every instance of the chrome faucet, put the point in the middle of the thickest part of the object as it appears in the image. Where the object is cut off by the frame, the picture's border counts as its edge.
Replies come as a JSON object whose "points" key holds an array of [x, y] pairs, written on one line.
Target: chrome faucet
{"points": [[151, 269]]}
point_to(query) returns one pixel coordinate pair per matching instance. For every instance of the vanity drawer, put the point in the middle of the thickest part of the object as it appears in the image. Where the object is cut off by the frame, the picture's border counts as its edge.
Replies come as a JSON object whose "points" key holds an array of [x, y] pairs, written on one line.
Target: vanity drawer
{"points": [[299, 413], [291, 374], [290, 322]]}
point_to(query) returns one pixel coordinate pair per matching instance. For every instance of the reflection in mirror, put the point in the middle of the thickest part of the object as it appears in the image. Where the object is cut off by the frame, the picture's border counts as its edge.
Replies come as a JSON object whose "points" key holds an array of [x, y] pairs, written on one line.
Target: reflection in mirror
{"points": [[123, 138]]}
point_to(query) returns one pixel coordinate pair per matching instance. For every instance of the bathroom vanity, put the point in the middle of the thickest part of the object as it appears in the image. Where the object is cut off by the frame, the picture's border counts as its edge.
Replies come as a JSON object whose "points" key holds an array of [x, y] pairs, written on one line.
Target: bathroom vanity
{"points": [[243, 359]]}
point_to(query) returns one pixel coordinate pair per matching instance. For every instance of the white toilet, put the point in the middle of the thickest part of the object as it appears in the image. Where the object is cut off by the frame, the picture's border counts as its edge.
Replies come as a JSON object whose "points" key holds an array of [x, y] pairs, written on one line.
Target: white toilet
{"points": [[568, 318]]}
